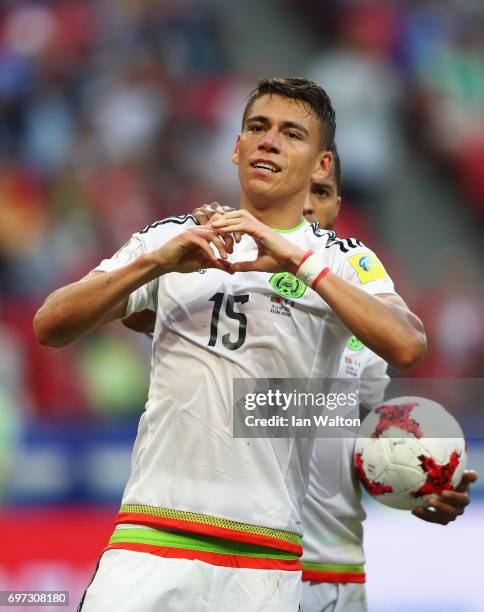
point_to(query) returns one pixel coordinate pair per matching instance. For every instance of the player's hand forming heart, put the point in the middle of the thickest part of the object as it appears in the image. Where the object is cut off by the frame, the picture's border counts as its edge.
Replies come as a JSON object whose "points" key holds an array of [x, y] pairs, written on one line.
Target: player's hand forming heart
{"points": [[191, 250], [275, 253]]}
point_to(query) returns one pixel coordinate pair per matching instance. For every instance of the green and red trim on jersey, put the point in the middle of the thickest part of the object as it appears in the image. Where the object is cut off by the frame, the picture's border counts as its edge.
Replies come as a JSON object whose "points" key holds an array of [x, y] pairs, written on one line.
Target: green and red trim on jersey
{"points": [[204, 524], [216, 551], [333, 572]]}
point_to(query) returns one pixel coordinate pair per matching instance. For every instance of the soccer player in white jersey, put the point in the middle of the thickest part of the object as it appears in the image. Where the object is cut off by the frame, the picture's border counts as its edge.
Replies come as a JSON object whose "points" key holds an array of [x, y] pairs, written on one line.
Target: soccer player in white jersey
{"points": [[208, 521], [333, 558]]}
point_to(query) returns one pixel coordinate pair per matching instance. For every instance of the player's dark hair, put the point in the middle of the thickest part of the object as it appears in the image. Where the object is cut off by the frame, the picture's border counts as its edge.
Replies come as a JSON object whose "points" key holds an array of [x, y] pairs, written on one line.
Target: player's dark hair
{"points": [[336, 167], [307, 91]]}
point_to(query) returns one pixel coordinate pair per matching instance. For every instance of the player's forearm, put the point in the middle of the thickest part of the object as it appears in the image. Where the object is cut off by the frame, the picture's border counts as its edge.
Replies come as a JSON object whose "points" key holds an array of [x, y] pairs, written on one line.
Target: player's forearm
{"points": [[72, 311], [393, 332]]}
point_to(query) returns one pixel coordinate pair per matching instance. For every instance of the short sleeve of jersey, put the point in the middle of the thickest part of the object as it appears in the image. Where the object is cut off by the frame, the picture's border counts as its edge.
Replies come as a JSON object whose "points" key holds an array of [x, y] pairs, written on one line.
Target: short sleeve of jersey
{"points": [[148, 239], [351, 260], [374, 380]]}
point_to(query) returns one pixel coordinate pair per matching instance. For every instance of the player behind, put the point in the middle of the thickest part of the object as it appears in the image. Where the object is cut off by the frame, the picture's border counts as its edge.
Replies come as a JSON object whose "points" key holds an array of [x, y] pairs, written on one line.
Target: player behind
{"points": [[333, 559], [209, 521]]}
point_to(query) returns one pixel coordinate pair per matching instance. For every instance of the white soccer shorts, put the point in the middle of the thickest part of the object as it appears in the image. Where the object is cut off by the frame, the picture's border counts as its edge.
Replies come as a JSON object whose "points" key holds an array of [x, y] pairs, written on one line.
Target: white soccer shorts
{"points": [[128, 581], [333, 597]]}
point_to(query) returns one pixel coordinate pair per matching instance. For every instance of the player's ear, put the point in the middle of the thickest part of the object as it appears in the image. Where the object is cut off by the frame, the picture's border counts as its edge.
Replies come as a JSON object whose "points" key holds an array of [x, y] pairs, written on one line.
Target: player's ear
{"points": [[235, 154], [323, 166]]}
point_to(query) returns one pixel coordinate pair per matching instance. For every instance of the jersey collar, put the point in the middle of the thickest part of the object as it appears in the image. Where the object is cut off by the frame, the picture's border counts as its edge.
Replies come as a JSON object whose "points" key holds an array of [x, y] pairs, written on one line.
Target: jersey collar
{"points": [[292, 229]]}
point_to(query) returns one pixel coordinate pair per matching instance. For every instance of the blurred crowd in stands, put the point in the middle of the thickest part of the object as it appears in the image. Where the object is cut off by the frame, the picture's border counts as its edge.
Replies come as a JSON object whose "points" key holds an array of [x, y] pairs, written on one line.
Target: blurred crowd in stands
{"points": [[114, 114]]}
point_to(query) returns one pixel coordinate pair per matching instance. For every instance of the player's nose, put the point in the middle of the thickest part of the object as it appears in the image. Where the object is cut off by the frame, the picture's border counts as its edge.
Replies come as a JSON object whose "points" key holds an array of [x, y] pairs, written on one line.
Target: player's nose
{"points": [[270, 141], [308, 213]]}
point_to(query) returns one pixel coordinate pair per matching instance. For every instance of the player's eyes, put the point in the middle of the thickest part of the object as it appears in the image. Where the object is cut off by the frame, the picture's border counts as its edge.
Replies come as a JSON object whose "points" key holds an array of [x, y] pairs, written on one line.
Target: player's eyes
{"points": [[293, 135], [321, 193], [255, 127]]}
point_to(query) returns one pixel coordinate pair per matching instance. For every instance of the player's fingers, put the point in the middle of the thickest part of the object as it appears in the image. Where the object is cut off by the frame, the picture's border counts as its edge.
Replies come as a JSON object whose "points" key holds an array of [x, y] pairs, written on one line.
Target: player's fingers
{"points": [[229, 242], [226, 209], [216, 208], [234, 227], [212, 209], [220, 264], [468, 478], [222, 222], [429, 515], [456, 498], [245, 266], [261, 264], [228, 225], [209, 234], [447, 509], [261, 248], [229, 217], [200, 216], [204, 246], [233, 214], [224, 265], [218, 242], [227, 238]]}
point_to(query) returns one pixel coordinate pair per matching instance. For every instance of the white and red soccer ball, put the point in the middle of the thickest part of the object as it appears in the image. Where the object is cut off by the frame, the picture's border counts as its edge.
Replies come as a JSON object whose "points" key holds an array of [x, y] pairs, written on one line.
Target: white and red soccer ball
{"points": [[408, 450]]}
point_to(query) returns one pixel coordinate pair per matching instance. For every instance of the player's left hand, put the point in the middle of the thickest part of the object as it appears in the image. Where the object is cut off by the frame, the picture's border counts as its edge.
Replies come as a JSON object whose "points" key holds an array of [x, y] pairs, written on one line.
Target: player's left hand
{"points": [[275, 253], [450, 505]]}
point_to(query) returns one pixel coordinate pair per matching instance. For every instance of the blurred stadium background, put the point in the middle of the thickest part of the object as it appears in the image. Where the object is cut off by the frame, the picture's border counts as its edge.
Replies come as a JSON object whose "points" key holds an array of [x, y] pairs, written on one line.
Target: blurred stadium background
{"points": [[116, 113]]}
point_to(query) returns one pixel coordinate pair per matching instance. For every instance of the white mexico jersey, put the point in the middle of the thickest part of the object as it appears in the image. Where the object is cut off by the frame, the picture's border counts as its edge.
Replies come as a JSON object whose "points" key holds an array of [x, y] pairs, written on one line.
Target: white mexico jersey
{"points": [[332, 510], [188, 471]]}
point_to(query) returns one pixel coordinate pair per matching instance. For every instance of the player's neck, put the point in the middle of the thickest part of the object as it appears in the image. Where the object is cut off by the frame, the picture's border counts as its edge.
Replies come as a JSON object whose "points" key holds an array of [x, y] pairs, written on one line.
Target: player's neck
{"points": [[278, 215]]}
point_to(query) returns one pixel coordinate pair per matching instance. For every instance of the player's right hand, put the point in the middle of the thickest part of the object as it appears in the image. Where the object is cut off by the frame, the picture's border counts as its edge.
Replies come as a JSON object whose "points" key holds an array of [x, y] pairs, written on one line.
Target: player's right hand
{"points": [[212, 212], [204, 213], [275, 253], [191, 251], [450, 505]]}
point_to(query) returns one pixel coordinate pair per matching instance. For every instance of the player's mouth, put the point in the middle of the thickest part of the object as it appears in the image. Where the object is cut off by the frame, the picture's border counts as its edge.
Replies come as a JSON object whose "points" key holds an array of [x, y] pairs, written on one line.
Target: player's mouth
{"points": [[264, 166]]}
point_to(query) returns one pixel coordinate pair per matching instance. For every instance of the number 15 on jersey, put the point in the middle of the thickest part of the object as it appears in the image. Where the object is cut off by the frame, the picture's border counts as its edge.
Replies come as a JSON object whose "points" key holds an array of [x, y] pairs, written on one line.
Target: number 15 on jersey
{"points": [[230, 301]]}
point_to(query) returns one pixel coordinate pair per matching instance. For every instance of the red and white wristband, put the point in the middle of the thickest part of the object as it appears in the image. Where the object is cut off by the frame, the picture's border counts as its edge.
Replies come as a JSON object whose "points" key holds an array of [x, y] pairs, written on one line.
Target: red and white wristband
{"points": [[309, 270]]}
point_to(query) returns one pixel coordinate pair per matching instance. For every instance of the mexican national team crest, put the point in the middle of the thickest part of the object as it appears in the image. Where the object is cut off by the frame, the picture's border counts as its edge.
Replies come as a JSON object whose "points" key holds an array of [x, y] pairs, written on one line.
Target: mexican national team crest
{"points": [[354, 344], [287, 285]]}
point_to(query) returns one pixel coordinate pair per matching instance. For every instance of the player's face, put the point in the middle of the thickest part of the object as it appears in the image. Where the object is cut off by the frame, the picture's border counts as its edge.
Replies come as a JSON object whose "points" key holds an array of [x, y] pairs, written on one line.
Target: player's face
{"points": [[279, 149], [322, 203]]}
